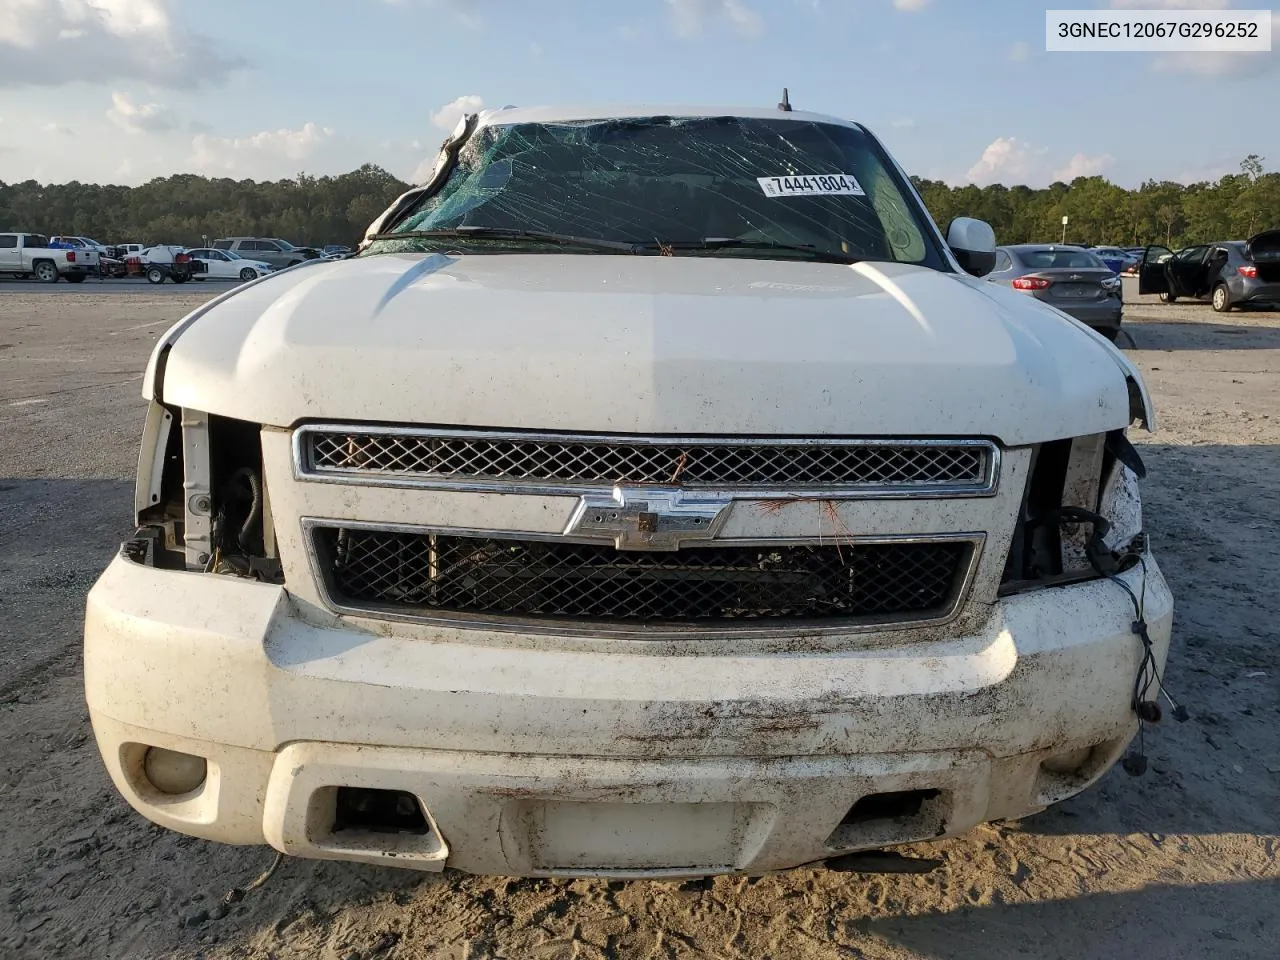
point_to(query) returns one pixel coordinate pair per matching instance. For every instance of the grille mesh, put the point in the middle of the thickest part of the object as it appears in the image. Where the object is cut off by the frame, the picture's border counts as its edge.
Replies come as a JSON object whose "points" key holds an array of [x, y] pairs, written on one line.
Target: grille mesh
{"points": [[534, 579], [570, 461]]}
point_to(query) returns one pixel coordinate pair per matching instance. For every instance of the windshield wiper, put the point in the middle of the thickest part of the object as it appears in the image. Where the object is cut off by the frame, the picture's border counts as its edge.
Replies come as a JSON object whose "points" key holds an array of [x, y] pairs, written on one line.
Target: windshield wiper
{"points": [[510, 233], [729, 243]]}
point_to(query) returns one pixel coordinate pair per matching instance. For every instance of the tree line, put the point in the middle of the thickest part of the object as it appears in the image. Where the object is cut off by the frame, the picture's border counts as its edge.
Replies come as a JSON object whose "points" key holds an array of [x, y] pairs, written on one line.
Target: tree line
{"points": [[185, 208], [1233, 207]]}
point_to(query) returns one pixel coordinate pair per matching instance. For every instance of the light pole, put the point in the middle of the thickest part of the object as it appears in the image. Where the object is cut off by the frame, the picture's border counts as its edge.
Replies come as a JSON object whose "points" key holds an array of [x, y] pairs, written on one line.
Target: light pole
{"points": [[1064, 228]]}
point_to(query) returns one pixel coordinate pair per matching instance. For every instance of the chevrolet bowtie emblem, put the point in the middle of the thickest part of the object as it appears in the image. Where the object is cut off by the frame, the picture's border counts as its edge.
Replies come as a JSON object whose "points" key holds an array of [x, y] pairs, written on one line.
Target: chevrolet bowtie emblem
{"points": [[643, 518]]}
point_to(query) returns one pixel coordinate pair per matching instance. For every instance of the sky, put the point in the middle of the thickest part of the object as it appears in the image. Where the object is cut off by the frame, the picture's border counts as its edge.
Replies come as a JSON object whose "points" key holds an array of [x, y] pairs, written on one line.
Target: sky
{"points": [[120, 91]]}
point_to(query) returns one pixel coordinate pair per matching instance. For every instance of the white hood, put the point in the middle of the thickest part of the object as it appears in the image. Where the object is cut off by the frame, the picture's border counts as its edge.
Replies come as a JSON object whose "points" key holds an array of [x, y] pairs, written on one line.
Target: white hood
{"points": [[645, 344]]}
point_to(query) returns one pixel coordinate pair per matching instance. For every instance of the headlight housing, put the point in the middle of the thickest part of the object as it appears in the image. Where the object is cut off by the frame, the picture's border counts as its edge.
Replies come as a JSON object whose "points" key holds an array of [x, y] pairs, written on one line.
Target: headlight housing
{"points": [[1070, 480], [201, 494]]}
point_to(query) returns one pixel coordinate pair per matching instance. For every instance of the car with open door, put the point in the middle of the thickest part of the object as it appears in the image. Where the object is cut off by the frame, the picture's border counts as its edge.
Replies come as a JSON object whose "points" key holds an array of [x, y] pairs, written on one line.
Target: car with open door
{"points": [[1227, 273]]}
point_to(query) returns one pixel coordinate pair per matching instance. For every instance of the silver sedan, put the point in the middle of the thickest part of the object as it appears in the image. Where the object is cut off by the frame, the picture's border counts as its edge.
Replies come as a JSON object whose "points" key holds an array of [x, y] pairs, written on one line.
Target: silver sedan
{"points": [[1070, 278]]}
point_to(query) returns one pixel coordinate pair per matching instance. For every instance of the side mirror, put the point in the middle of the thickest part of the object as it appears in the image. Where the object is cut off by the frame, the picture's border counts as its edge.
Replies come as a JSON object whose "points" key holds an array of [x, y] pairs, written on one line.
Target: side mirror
{"points": [[974, 244]]}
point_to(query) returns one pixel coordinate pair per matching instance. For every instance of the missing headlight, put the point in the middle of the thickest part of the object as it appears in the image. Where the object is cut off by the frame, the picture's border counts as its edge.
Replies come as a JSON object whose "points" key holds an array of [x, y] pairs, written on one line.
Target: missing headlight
{"points": [[1055, 541]]}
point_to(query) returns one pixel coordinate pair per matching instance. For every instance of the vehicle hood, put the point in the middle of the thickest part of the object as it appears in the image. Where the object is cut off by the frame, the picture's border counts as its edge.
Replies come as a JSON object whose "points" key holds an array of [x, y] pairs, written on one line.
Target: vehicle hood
{"points": [[644, 344]]}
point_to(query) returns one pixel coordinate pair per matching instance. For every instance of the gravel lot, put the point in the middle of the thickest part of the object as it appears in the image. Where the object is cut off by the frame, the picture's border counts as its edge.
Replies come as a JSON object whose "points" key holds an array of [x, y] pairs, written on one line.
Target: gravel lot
{"points": [[1180, 863]]}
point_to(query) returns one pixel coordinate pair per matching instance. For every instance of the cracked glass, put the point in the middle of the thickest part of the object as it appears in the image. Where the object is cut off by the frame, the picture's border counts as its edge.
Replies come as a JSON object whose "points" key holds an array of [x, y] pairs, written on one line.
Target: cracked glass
{"points": [[754, 187]]}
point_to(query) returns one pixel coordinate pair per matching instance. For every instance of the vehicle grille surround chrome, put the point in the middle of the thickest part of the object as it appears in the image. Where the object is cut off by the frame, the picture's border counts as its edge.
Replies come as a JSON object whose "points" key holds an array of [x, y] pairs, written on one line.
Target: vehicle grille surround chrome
{"points": [[568, 463]]}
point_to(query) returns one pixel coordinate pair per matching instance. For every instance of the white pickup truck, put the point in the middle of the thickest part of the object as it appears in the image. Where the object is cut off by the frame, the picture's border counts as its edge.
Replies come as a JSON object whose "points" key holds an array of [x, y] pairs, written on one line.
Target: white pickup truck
{"points": [[29, 254], [657, 492]]}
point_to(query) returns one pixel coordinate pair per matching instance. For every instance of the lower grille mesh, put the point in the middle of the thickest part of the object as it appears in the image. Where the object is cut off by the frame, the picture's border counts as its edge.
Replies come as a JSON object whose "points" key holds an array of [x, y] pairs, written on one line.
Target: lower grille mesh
{"points": [[425, 573]]}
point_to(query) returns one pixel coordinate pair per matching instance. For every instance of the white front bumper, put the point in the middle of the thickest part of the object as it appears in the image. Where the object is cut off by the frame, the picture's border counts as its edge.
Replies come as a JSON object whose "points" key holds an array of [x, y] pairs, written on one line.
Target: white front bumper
{"points": [[533, 759]]}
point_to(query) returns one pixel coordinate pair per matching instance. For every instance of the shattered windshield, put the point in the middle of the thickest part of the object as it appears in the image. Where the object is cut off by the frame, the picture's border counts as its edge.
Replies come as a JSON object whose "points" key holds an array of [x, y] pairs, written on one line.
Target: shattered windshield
{"points": [[720, 186]]}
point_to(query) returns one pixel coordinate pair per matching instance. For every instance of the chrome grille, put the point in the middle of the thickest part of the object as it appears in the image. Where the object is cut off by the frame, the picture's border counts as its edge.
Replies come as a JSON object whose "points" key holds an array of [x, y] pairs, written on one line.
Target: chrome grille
{"points": [[566, 460], [428, 574]]}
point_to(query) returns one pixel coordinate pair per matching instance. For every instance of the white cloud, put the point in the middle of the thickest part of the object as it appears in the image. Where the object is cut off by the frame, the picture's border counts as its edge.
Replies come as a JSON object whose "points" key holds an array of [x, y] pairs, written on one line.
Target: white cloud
{"points": [[55, 42], [1083, 166], [903, 123], [1020, 51], [911, 6], [139, 117], [689, 17], [744, 19], [270, 153], [1007, 160], [59, 128], [447, 117], [1012, 160]]}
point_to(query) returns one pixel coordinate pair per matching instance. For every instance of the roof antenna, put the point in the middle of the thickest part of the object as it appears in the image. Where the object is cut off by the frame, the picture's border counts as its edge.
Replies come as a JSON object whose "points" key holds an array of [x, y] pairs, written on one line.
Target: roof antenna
{"points": [[785, 105]]}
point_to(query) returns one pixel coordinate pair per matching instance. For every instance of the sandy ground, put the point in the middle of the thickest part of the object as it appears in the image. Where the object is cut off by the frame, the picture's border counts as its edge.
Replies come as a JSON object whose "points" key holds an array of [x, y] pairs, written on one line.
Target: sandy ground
{"points": [[1179, 863]]}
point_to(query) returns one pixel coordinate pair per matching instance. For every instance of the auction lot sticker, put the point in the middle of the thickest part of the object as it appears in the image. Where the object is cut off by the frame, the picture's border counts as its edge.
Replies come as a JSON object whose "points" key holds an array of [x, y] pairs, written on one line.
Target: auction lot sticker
{"points": [[812, 185], [1191, 31]]}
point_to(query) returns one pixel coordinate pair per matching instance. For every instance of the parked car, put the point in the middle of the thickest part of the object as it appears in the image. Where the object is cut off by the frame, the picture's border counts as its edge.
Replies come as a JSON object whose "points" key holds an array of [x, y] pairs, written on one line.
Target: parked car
{"points": [[335, 249], [166, 261], [29, 254], [1114, 258], [1070, 278], [122, 251], [229, 265], [1135, 260], [701, 512], [278, 253], [1228, 273], [80, 243]]}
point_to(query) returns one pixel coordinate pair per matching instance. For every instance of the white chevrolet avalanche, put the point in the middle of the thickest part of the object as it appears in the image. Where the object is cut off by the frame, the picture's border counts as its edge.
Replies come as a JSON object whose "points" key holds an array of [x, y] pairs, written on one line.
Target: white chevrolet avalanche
{"points": [[657, 492]]}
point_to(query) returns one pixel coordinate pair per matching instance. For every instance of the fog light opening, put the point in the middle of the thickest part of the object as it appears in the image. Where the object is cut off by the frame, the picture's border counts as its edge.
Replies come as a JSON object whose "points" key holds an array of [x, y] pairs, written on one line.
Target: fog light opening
{"points": [[379, 811], [174, 773], [894, 805]]}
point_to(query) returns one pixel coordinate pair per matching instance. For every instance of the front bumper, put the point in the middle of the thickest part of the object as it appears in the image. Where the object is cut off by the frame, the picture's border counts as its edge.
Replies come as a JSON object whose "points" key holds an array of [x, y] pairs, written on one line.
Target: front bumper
{"points": [[534, 759]]}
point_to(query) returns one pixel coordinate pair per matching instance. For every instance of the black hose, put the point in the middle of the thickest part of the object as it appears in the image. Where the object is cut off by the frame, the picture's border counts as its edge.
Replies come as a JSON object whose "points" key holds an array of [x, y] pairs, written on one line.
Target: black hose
{"points": [[254, 520]]}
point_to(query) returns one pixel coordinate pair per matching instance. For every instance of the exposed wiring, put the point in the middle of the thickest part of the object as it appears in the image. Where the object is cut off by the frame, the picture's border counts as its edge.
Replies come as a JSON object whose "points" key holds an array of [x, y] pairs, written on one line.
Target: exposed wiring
{"points": [[236, 894], [1109, 564]]}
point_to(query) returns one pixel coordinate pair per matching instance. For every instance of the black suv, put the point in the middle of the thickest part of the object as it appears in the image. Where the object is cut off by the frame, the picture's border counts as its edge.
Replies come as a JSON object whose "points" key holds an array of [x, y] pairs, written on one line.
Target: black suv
{"points": [[1229, 273]]}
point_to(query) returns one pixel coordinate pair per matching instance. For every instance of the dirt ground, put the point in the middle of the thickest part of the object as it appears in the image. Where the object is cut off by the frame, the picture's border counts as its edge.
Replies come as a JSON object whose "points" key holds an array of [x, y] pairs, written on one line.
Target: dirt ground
{"points": [[1179, 863]]}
